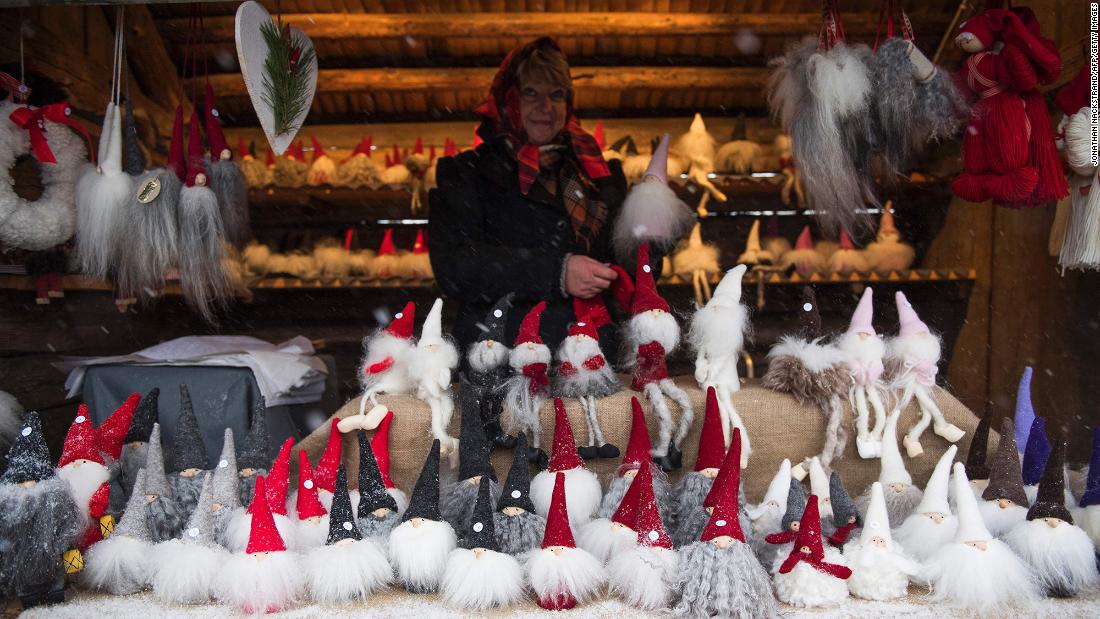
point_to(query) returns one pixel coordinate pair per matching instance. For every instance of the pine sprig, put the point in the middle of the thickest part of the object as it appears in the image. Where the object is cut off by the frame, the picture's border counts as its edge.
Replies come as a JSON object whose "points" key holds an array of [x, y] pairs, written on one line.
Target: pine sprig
{"points": [[286, 76]]}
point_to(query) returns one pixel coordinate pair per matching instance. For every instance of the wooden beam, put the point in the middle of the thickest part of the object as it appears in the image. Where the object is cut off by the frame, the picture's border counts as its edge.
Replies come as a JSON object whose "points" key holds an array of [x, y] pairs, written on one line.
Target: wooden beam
{"points": [[479, 78], [322, 26], [153, 70]]}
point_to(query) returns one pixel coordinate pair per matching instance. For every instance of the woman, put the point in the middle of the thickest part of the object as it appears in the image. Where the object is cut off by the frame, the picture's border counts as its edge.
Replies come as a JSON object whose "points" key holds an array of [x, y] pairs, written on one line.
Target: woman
{"points": [[530, 211]]}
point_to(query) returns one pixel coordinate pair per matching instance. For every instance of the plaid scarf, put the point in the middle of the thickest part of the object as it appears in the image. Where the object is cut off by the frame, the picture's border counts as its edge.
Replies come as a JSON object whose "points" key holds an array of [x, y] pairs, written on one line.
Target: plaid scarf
{"points": [[559, 172]]}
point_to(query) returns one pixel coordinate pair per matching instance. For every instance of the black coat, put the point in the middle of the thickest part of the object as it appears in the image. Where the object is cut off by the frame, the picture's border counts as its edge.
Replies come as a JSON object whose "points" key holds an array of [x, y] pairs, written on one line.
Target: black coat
{"points": [[487, 240]]}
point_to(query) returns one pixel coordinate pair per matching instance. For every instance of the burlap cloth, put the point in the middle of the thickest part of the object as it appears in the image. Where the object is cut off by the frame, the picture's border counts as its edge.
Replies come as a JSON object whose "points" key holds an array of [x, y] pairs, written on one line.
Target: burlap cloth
{"points": [[778, 428]]}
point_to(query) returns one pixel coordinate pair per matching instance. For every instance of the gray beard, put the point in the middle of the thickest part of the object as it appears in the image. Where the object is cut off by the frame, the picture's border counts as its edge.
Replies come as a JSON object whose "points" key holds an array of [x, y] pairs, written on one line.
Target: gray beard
{"points": [[247, 487], [691, 523], [457, 501], [898, 506], [518, 534], [164, 519], [186, 491], [716, 582], [616, 490], [132, 460], [39, 524], [689, 493], [370, 526]]}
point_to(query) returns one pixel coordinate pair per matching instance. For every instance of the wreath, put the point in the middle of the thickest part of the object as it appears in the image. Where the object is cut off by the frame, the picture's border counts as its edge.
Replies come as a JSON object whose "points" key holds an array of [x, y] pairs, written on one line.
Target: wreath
{"points": [[51, 219]]}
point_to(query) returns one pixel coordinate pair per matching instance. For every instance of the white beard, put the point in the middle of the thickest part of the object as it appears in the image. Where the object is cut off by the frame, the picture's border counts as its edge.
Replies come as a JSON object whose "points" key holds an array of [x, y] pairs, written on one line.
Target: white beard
{"points": [[719, 331], [582, 494], [919, 347], [522, 355], [1000, 521], [183, 573], [576, 350], [119, 565], [921, 537], [765, 518], [483, 359], [990, 582], [1063, 559], [419, 554], [84, 480], [605, 541], [877, 573], [240, 527], [493, 580], [1089, 521], [860, 351], [343, 573], [807, 587], [660, 327], [430, 365], [260, 584], [572, 573], [394, 380], [310, 534], [645, 576]]}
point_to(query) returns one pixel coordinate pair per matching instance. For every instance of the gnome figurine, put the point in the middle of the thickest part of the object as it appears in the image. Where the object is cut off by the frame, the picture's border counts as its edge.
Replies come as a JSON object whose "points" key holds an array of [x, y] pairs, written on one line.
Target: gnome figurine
{"points": [[694, 486], [377, 511], [1035, 458], [312, 517], [977, 470], [847, 520], [479, 576], [606, 538], [163, 515], [888, 252], [820, 486], [324, 474], [692, 522], [240, 523], [812, 576], [651, 212], [931, 525], [1004, 503], [188, 458], [636, 457], [137, 440], [41, 522], [767, 515], [754, 254], [380, 446], [804, 258], [120, 564], [457, 498], [348, 567], [517, 526], [489, 371], [1060, 554], [419, 546], [560, 574], [581, 485], [432, 364], [82, 467], [864, 351], [226, 487], [255, 456], [645, 575], [880, 569], [184, 569], [902, 496], [387, 355], [110, 436], [778, 545], [529, 387]]}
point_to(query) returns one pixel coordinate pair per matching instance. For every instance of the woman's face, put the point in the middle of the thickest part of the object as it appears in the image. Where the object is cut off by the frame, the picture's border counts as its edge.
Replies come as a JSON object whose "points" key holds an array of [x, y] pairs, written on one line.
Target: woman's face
{"points": [[542, 109]]}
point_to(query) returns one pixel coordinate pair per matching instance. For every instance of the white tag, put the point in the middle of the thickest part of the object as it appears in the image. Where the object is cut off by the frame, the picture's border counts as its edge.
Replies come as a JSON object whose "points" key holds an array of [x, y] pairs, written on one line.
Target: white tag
{"points": [[223, 463], [516, 494], [26, 432], [347, 526], [308, 484], [580, 324], [79, 419], [398, 315], [874, 524], [497, 313], [645, 267], [478, 527], [193, 532], [720, 523], [653, 536], [807, 307]]}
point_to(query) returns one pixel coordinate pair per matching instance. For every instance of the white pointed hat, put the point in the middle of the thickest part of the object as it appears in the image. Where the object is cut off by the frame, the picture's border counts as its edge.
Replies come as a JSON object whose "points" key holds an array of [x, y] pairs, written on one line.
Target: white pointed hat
{"points": [[891, 467], [819, 485], [658, 163], [971, 525], [728, 291], [876, 523], [780, 485], [752, 244], [432, 331], [935, 492]]}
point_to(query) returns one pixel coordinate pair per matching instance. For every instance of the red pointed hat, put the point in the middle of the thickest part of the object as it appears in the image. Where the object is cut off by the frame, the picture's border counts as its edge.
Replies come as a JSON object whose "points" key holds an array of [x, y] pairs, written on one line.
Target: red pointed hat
{"points": [[805, 239], [195, 166], [242, 148], [112, 433], [418, 149], [626, 513], [396, 158], [308, 505], [450, 149], [598, 135], [380, 447], [723, 519], [650, 527], [645, 288], [591, 315], [638, 447], [363, 147], [711, 442], [558, 532], [387, 248], [809, 537], [529, 328], [264, 536], [219, 148], [431, 152], [318, 149], [177, 160], [296, 151], [420, 245], [845, 240], [269, 160], [565, 456], [329, 464], [278, 479], [402, 324], [80, 440], [730, 473]]}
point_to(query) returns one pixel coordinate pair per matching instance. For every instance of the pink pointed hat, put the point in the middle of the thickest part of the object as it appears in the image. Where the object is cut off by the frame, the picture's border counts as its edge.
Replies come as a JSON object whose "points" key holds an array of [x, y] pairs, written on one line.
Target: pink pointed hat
{"points": [[911, 324], [861, 318], [658, 163]]}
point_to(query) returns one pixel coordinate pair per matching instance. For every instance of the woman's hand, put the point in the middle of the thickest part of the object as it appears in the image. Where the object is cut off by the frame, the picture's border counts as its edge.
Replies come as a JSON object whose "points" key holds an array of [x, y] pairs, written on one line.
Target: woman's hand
{"points": [[585, 277]]}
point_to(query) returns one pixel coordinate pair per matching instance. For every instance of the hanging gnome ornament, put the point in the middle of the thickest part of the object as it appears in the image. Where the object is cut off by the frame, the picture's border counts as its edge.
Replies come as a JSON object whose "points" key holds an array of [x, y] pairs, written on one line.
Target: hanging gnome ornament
{"points": [[1081, 246], [225, 485], [359, 170], [584, 373], [767, 515], [529, 386], [255, 173], [931, 525], [263, 577], [636, 457], [1035, 458], [718, 574], [1004, 504], [581, 485], [322, 171], [480, 577], [912, 360], [136, 443], [377, 511], [120, 564], [780, 543], [163, 514], [692, 521], [41, 522], [717, 335], [488, 372], [654, 334], [255, 457], [847, 521], [901, 495], [349, 567], [457, 498], [804, 259], [419, 546], [754, 254], [646, 575], [695, 485], [291, 170], [880, 568], [312, 517], [184, 569], [976, 571], [888, 253], [864, 351], [608, 537], [240, 523], [812, 576], [189, 458], [560, 574], [1087, 514], [1060, 554], [226, 178], [431, 366], [652, 212], [82, 467], [517, 526], [815, 373], [324, 474], [387, 355]]}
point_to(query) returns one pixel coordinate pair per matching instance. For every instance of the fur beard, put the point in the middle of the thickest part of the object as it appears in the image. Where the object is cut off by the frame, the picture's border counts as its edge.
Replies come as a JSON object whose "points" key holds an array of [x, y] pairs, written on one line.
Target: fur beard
{"points": [[456, 502], [943, 108], [221, 520], [805, 262], [493, 580], [395, 175], [164, 519], [247, 486], [289, 172], [767, 522], [738, 156], [1088, 519], [377, 348], [427, 363], [400, 498], [119, 565], [335, 261], [597, 383], [691, 524], [39, 525], [151, 250], [848, 261], [883, 257], [817, 360], [201, 254], [1062, 559], [902, 352], [898, 505], [228, 183], [807, 587], [130, 462], [921, 537], [572, 574], [255, 172], [379, 528], [259, 584], [519, 403], [100, 204], [647, 327], [342, 573], [719, 330], [359, 171], [582, 494], [240, 527], [723, 582], [605, 541], [183, 573], [988, 582], [878, 574], [895, 105], [83, 482], [662, 492], [484, 359], [689, 494], [1000, 521], [652, 212], [645, 577], [419, 555], [518, 534], [860, 351], [186, 491], [311, 534], [322, 171]]}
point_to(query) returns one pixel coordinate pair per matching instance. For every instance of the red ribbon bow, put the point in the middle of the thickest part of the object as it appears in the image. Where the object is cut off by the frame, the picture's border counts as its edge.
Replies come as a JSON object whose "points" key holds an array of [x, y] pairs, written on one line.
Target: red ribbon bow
{"points": [[34, 121]]}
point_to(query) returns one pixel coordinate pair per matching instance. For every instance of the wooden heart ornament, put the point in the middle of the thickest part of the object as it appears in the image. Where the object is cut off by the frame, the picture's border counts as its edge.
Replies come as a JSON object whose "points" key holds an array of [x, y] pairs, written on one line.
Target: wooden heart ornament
{"points": [[279, 66]]}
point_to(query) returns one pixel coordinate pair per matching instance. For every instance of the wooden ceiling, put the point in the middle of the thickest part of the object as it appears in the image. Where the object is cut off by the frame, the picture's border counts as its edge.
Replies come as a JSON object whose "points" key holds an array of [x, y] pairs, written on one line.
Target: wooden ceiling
{"points": [[418, 60]]}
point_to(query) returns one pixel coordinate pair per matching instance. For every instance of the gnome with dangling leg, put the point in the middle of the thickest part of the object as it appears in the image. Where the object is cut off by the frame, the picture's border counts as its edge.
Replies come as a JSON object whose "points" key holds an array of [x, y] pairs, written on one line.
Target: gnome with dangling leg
{"points": [[480, 577], [419, 546], [240, 523], [137, 440], [560, 574], [457, 498], [767, 515], [1003, 503], [645, 575], [582, 487], [606, 538], [41, 522], [529, 386], [864, 351], [1060, 554], [348, 567], [718, 574], [120, 564], [780, 543], [83, 468], [312, 517], [902, 496], [583, 372], [931, 525], [225, 487], [517, 526], [184, 568], [263, 577], [637, 456], [384, 368], [880, 568], [811, 576], [976, 571], [324, 474], [1036, 454], [433, 362], [377, 512], [255, 456], [189, 458], [162, 513], [694, 486], [847, 521], [489, 371]]}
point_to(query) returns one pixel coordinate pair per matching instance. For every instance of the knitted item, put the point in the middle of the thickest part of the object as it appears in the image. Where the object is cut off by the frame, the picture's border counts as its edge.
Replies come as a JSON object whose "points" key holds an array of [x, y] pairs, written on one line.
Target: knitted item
{"points": [[145, 416]]}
